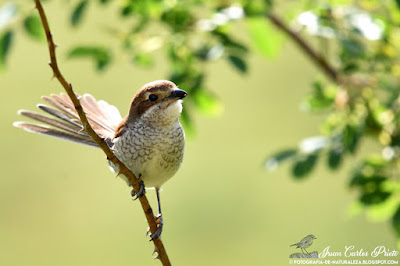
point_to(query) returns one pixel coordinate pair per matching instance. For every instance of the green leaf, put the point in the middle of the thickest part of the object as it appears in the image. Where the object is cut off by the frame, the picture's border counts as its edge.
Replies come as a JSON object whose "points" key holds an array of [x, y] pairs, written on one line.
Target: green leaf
{"points": [[228, 42], [6, 39], [273, 161], [396, 221], [238, 63], [369, 182], [352, 48], [398, 4], [78, 12], [102, 56], [143, 60], [376, 161], [375, 197], [207, 103], [33, 27], [321, 98], [304, 165], [335, 156], [351, 137], [179, 18], [384, 211], [256, 8], [265, 38]]}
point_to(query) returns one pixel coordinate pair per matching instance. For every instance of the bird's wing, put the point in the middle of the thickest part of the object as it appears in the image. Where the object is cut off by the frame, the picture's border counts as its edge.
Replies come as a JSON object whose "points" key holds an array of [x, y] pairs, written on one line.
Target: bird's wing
{"points": [[304, 241], [64, 122]]}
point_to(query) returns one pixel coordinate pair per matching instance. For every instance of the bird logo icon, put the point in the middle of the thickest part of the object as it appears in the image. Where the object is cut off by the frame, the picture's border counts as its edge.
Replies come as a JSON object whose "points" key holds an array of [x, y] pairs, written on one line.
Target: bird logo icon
{"points": [[303, 244]]}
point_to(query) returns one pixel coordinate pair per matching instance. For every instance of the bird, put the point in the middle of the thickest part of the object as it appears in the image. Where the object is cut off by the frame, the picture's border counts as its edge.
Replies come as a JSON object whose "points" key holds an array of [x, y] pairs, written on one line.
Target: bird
{"points": [[149, 140], [305, 243]]}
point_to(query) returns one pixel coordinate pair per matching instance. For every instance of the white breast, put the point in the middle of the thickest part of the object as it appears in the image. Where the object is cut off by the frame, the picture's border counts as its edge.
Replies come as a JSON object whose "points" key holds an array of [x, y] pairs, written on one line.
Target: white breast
{"points": [[156, 155]]}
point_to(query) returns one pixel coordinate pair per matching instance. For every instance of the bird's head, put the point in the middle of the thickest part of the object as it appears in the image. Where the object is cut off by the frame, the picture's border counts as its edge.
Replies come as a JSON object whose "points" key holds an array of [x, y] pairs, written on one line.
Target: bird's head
{"points": [[311, 237], [157, 102]]}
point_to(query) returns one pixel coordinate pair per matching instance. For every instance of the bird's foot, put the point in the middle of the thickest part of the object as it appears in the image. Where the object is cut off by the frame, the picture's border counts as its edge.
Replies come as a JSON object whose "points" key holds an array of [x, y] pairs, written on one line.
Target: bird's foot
{"points": [[141, 191], [157, 233]]}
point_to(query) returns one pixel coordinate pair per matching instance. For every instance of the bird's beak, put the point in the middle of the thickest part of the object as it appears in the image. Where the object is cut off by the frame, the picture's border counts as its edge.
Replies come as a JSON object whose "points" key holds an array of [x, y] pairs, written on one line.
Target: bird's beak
{"points": [[180, 94]]}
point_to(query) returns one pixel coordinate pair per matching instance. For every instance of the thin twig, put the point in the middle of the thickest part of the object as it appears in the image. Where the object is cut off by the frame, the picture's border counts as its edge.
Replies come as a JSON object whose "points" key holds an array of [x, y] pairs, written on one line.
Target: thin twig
{"points": [[320, 61], [133, 180]]}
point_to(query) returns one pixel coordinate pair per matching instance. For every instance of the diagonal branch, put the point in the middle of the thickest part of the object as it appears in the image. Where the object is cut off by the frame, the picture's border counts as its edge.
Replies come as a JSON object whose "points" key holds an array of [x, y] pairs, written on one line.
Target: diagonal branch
{"points": [[133, 180], [320, 61]]}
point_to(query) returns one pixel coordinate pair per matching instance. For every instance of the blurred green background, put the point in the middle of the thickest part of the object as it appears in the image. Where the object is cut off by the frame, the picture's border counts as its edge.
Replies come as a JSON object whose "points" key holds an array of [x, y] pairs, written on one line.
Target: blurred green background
{"points": [[60, 205]]}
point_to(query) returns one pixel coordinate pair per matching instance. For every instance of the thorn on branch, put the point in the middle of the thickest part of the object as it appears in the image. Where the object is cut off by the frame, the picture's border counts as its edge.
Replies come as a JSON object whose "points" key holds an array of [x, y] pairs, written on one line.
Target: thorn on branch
{"points": [[155, 250], [119, 172]]}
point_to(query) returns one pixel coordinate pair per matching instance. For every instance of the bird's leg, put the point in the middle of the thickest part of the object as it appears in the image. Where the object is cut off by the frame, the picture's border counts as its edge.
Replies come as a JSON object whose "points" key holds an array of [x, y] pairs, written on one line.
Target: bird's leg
{"points": [[141, 191], [306, 252], [159, 219]]}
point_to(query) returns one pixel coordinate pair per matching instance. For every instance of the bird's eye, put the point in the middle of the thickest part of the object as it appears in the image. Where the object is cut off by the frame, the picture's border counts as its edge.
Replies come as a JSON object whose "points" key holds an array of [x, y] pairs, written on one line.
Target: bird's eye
{"points": [[153, 97]]}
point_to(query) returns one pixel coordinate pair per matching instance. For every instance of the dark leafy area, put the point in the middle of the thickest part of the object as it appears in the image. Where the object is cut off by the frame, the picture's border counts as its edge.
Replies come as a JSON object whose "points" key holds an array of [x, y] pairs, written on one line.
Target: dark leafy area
{"points": [[375, 197], [178, 18], [238, 63], [33, 27], [335, 156], [6, 39], [351, 136], [304, 164], [396, 221], [101, 56], [78, 12], [351, 49], [369, 180]]}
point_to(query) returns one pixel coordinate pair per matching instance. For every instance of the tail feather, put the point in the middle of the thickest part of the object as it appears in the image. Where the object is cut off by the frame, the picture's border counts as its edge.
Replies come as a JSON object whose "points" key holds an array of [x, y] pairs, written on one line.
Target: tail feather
{"points": [[64, 122], [65, 109], [51, 121], [55, 133], [66, 117]]}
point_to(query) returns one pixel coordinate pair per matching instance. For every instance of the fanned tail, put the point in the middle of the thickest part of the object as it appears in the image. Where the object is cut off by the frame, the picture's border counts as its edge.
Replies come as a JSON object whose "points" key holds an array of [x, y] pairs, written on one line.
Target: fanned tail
{"points": [[64, 123]]}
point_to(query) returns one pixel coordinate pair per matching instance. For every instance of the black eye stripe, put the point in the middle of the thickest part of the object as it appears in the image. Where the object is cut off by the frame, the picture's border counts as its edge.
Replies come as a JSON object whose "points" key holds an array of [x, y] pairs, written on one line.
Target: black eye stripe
{"points": [[153, 97]]}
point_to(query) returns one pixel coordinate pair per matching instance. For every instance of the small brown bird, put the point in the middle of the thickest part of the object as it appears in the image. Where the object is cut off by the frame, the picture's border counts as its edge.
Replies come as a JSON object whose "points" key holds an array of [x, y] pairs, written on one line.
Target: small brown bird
{"points": [[305, 243], [149, 140]]}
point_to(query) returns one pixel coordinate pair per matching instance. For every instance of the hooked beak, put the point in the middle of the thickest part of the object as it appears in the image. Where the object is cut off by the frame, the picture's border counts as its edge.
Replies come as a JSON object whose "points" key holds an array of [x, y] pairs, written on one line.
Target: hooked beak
{"points": [[180, 94]]}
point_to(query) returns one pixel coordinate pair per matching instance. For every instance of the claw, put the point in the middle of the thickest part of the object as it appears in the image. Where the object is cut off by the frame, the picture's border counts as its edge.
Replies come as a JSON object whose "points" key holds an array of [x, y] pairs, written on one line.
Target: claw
{"points": [[141, 191], [157, 233]]}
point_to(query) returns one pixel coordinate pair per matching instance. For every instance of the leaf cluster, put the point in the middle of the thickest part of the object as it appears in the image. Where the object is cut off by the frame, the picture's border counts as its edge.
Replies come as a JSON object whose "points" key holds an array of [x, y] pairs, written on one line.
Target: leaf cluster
{"points": [[363, 39]]}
